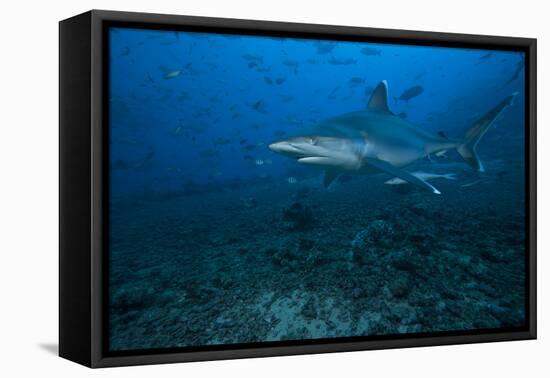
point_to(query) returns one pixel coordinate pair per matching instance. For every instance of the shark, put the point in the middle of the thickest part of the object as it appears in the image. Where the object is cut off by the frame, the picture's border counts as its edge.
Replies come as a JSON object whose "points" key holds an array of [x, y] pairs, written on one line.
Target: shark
{"points": [[375, 140], [424, 176]]}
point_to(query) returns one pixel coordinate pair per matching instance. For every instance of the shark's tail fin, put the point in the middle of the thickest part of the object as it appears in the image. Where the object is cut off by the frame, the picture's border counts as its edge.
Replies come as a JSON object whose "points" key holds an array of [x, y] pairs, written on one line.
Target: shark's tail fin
{"points": [[474, 134]]}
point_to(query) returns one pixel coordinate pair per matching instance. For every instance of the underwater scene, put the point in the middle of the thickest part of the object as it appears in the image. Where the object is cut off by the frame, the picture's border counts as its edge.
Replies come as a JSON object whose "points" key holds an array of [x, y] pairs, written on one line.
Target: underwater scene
{"points": [[282, 189]]}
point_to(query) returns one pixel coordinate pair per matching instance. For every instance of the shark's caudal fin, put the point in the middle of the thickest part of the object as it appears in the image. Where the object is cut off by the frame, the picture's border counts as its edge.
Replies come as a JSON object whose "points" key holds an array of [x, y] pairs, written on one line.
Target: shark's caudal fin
{"points": [[474, 134]]}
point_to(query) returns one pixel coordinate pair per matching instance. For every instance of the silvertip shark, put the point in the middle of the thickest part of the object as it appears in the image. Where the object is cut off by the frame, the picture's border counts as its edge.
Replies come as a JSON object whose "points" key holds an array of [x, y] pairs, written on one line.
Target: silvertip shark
{"points": [[376, 140]]}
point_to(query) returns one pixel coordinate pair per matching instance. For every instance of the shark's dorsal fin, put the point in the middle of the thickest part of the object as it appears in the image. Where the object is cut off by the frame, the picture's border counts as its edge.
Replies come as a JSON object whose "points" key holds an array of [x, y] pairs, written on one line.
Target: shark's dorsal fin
{"points": [[379, 98]]}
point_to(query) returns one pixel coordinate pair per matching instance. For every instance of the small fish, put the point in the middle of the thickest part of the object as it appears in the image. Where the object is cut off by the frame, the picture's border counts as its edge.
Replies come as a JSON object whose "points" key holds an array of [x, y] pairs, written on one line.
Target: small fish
{"points": [[292, 180], [208, 153], [259, 107], [221, 141], [125, 51], [370, 51], [183, 96], [325, 47], [171, 74], [259, 162], [517, 71], [243, 141], [201, 112], [250, 57], [410, 93], [485, 57], [292, 64], [423, 176], [177, 130], [268, 80], [356, 80], [342, 62], [263, 69], [279, 81]]}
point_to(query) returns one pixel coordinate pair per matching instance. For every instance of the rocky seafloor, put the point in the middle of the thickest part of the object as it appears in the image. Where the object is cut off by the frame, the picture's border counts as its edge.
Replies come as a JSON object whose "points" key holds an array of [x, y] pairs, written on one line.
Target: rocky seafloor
{"points": [[272, 262]]}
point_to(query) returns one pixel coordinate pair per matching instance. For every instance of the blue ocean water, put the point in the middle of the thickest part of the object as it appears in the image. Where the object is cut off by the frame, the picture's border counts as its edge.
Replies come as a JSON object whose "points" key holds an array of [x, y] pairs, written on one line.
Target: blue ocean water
{"points": [[216, 239]]}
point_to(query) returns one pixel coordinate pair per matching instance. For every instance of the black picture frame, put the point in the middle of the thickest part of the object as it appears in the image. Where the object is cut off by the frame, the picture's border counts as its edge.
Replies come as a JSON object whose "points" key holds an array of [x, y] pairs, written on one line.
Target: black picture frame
{"points": [[83, 195]]}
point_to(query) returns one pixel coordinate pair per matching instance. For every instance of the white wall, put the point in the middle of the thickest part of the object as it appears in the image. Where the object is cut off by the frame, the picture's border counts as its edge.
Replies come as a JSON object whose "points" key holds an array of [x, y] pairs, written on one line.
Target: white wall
{"points": [[28, 189]]}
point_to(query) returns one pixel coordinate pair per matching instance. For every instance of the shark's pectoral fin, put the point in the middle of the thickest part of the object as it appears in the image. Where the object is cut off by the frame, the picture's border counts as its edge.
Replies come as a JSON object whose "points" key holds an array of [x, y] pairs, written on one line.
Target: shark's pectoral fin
{"points": [[330, 176], [396, 172]]}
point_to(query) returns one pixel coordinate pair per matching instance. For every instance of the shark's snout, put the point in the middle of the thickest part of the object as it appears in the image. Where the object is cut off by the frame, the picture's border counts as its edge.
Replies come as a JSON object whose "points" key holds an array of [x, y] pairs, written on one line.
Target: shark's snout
{"points": [[277, 146], [285, 148], [301, 147]]}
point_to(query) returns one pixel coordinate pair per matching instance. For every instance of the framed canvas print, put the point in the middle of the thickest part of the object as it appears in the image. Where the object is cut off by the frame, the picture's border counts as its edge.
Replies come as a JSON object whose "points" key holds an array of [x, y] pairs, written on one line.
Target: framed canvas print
{"points": [[233, 188]]}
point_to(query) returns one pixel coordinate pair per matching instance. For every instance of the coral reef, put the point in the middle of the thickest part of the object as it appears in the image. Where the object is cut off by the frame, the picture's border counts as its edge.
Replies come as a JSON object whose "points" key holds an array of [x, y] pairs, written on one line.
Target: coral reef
{"points": [[223, 272], [297, 216], [370, 242]]}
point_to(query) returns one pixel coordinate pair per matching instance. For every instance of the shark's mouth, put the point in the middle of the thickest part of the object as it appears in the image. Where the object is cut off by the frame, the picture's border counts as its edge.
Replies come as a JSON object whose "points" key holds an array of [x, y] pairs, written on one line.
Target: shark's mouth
{"points": [[295, 150]]}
